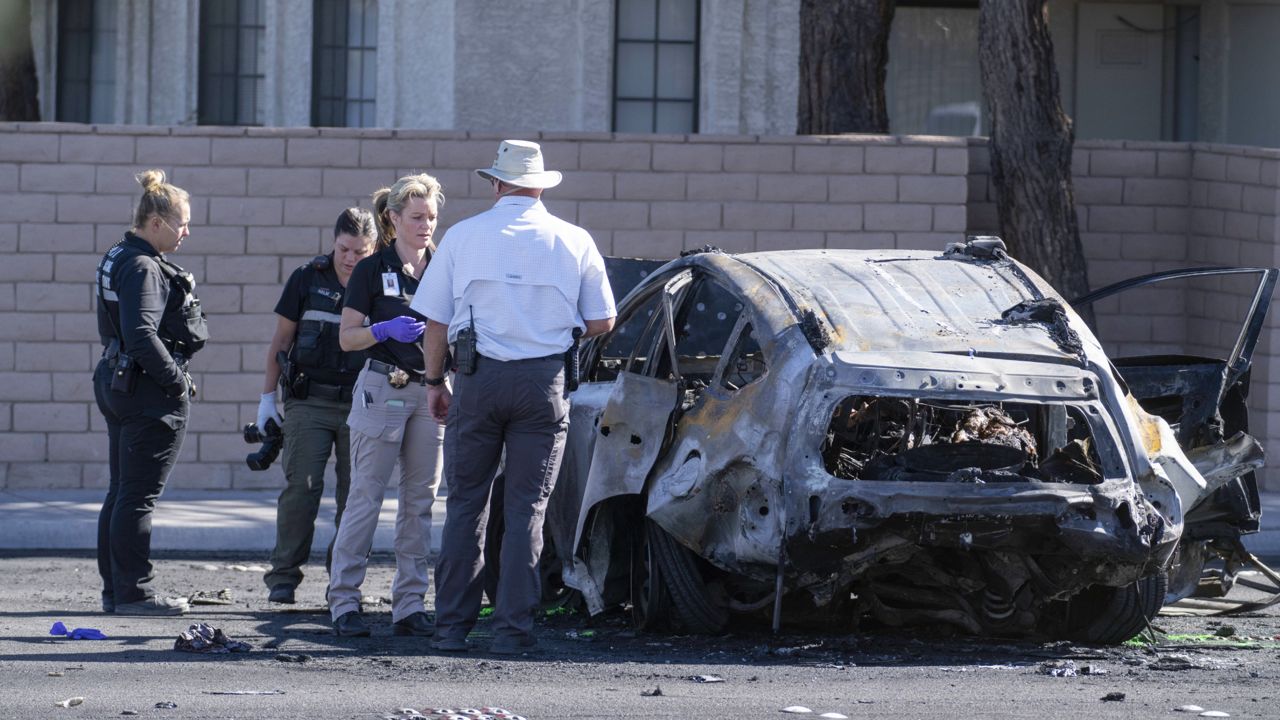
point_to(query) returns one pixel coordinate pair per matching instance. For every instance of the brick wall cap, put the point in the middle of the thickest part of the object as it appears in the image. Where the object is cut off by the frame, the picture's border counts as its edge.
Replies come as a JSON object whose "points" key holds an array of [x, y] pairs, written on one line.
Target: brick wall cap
{"points": [[574, 136], [358, 133], [419, 134], [933, 140], [207, 131], [282, 132], [137, 130]]}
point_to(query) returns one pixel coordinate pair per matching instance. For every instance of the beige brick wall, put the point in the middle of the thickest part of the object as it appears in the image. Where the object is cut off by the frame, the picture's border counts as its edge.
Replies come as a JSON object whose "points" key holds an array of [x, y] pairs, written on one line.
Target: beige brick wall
{"points": [[264, 200]]}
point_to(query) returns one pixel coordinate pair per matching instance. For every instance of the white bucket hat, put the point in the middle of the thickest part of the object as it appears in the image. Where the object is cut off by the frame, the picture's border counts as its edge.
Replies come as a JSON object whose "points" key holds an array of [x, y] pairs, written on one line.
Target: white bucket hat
{"points": [[519, 163]]}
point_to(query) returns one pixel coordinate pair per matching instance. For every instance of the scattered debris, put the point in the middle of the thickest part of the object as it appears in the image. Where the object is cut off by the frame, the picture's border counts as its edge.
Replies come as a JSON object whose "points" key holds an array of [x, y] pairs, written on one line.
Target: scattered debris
{"points": [[1214, 713], [580, 634], [1093, 670], [61, 630], [292, 657], [1059, 668], [69, 702], [241, 692], [243, 568], [211, 597], [204, 638], [1225, 631], [1113, 697], [55, 673], [205, 566], [797, 710], [834, 716], [128, 712], [793, 650], [166, 705], [655, 692], [1174, 662], [706, 678]]}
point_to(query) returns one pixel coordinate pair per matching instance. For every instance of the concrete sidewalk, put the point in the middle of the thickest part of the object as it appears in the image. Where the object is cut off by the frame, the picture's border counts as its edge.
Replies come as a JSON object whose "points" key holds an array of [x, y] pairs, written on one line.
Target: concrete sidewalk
{"points": [[186, 520], [244, 521]]}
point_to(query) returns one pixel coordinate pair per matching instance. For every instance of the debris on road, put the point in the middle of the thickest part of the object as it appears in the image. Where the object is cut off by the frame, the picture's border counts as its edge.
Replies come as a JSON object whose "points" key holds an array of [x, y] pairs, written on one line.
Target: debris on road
{"points": [[1092, 670], [204, 638], [1215, 714], [69, 702], [793, 650], [655, 692], [166, 705], [61, 630], [241, 692], [1059, 668], [211, 597], [55, 673], [128, 712], [834, 716], [1174, 662], [1113, 697], [1225, 631], [797, 710], [1189, 709], [706, 678], [292, 657]]}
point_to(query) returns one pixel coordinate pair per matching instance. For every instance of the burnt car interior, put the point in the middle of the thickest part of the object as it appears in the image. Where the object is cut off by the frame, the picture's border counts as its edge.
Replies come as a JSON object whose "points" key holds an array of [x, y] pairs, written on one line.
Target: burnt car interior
{"points": [[908, 439]]}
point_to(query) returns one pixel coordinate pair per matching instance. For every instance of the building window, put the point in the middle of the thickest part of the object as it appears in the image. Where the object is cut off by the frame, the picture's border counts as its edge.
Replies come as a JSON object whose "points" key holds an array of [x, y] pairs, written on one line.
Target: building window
{"points": [[655, 70], [933, 85], [345, 63], [86, 61], [231, 62]]}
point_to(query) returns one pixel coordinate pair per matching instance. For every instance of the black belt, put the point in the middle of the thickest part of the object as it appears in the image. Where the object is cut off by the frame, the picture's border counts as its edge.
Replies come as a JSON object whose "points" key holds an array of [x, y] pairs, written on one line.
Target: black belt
{"points": [[555, 356], [393, 371], [325, 391]]}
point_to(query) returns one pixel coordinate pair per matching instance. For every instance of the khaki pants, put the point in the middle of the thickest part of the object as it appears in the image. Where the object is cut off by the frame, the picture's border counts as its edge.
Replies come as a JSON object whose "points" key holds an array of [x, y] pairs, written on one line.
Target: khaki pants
{"points": [[313, 429], [387, 425]]}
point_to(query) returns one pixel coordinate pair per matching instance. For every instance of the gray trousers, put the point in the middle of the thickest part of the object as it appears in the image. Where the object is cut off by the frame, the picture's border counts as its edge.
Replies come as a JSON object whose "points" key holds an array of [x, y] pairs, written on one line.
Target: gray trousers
{"points": [[313, 430], [521, 406], [388, 425]]}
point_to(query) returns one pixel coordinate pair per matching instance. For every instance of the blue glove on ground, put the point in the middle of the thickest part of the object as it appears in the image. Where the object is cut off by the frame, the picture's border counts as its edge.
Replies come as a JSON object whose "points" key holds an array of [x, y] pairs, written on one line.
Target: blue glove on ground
{"points": [[401, 329]]}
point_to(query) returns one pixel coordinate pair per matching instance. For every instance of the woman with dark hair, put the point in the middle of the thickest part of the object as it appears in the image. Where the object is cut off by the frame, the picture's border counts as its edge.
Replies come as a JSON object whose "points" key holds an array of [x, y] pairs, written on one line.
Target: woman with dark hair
{"points": [[150, 322], [316, 384], [389, 420]]}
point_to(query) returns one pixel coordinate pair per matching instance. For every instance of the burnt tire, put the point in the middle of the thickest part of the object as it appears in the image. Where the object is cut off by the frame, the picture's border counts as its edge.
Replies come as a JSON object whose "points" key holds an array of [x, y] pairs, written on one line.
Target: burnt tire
{"points": [[696, 608], [650, 598], [1109, 615]]}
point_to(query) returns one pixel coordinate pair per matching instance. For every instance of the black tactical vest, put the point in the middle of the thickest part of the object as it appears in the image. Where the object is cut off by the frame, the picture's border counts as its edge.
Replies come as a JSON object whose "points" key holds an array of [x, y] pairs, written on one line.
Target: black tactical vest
{"points": [[183, 329], [316, 347]]}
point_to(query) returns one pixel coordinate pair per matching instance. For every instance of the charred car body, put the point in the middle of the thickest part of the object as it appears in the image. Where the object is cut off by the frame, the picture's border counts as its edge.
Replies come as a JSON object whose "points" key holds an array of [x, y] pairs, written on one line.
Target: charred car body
{"points": [[923, 437]]}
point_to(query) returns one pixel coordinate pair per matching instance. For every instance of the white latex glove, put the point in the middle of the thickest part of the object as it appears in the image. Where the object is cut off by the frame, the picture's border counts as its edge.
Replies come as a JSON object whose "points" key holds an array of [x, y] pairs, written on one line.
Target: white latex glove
{"points": [[267, 410]]}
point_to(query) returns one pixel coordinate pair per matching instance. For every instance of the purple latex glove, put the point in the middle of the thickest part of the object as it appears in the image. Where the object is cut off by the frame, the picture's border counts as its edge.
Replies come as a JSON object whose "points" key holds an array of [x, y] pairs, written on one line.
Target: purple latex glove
{"points": [[77, 634], [401, 329]]}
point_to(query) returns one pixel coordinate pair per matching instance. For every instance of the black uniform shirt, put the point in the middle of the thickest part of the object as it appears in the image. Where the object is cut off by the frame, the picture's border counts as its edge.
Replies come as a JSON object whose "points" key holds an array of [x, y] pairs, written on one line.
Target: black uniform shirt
{"points": [[142, 294], [335, 367], [381, 290]]}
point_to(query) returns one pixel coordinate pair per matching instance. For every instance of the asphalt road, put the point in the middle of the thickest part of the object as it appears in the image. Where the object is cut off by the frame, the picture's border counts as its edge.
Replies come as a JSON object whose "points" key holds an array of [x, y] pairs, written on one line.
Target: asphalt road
{"points": [[598, 669]]}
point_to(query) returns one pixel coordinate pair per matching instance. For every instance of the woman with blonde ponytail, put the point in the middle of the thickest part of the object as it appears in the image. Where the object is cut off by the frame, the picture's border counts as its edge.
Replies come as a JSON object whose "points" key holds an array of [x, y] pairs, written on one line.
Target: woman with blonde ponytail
{"points": [[151, 323], [389, 419]]}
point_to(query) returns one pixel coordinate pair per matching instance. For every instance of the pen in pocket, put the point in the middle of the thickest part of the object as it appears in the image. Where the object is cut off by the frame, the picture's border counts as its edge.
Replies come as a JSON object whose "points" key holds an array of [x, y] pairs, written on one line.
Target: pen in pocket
{"points": [[366, 399]]}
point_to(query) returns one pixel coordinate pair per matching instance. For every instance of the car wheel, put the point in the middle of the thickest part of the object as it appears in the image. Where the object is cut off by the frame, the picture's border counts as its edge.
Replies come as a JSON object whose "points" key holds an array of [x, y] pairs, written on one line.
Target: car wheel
{"points": [[650, 599], [1111, 615], [681, 570]]}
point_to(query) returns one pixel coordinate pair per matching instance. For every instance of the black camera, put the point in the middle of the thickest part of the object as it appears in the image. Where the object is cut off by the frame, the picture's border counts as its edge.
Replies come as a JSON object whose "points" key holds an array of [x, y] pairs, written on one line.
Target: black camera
{"points": [[272, 440]]}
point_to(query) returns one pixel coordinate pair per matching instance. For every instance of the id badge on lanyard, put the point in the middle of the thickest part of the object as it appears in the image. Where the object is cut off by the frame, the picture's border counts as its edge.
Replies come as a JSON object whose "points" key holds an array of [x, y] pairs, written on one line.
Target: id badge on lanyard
{"points": [[390, 284]]}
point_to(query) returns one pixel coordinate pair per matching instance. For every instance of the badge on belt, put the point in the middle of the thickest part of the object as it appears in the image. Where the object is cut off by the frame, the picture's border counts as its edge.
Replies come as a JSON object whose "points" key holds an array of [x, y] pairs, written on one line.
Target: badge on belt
{"points": [[397, 378]]}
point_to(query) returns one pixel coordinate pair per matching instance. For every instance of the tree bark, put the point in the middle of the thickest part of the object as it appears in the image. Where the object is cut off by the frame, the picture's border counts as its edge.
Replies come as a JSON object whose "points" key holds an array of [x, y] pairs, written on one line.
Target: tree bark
{"points": [[1031, 143], [18, 88], [844, 48]]}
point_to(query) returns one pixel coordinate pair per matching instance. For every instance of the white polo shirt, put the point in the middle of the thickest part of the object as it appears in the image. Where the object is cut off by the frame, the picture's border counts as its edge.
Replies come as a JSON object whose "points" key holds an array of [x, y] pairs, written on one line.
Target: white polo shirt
{"points": [[528, 277]]}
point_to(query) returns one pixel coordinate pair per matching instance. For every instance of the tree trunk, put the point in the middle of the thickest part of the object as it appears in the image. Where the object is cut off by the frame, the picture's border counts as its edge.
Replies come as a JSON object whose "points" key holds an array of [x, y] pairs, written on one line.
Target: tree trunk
{"points": [[17, 63], [1031, 143], [844, 48]]}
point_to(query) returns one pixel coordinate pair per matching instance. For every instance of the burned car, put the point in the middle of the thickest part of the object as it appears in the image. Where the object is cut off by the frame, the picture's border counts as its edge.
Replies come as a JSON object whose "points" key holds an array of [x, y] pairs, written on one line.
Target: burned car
{"points": [[917, 436]]}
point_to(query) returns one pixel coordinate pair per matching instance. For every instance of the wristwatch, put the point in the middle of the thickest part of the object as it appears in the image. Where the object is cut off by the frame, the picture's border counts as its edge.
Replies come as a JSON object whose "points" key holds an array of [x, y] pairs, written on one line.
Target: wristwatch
{"points": [[434, 382]]}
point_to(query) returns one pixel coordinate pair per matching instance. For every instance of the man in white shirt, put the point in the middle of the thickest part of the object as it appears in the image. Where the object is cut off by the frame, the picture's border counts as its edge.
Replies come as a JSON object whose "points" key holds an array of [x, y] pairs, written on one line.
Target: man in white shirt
{"points": [[519, 281]]}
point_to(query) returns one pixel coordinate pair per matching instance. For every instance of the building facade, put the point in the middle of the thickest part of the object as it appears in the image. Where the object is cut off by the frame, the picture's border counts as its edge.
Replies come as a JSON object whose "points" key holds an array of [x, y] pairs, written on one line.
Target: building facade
{"points": [[1176, 70]]}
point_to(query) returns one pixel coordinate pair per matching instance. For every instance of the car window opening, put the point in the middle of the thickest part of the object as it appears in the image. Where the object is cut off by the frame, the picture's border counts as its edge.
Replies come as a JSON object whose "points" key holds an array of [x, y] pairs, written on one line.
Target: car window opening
{"points": [[907, 439]]}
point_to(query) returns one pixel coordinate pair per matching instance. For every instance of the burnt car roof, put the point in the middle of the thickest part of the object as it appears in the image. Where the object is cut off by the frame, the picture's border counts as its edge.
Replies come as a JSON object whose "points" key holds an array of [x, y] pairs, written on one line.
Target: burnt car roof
{"points": [[911, 300]]}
